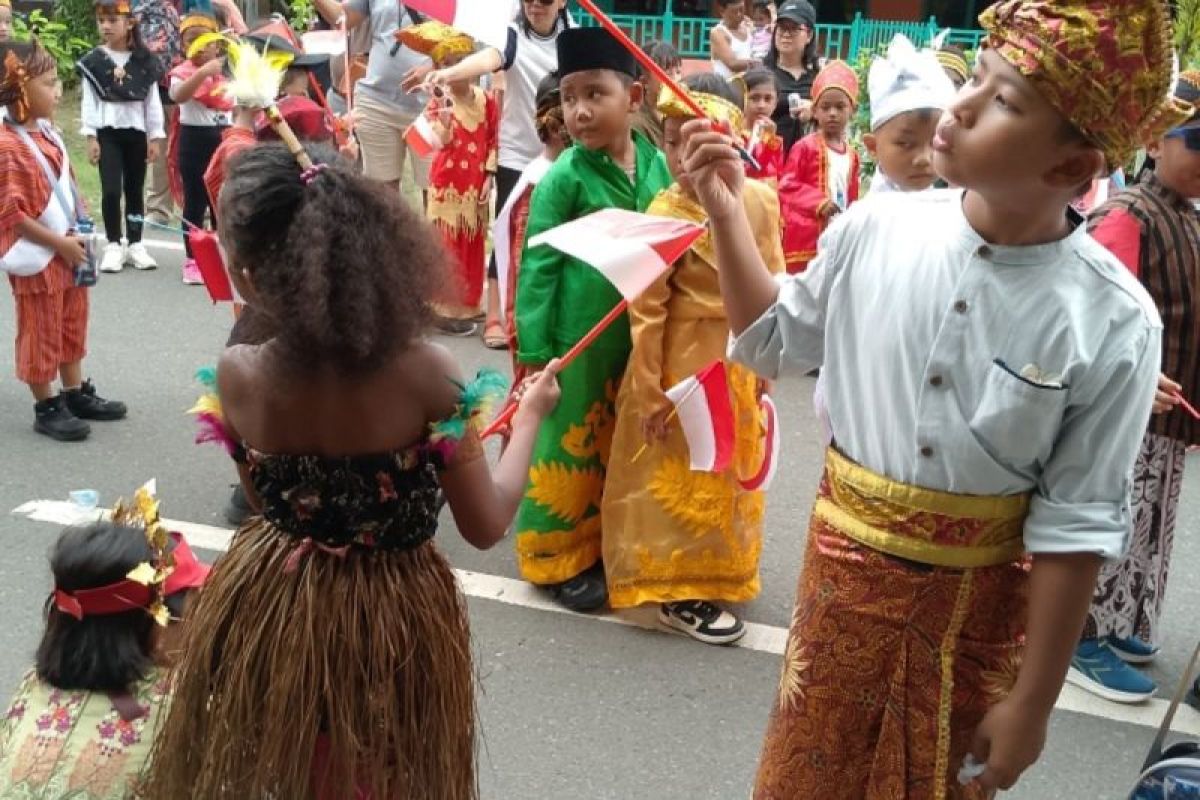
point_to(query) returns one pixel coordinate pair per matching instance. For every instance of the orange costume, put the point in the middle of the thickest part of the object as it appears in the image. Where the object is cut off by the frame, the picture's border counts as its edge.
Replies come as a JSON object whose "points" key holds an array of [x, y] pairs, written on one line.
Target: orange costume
{"points": [[52, 312], [820, 177]]}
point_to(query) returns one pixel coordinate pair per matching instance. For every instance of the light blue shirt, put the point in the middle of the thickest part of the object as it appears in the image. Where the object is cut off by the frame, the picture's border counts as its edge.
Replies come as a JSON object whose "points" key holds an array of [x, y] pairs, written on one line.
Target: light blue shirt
{"points": [[964, 367]]}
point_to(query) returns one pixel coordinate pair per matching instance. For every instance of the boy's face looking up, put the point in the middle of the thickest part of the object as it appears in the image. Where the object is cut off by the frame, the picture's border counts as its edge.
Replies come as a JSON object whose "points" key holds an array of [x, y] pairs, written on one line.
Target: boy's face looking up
{"points": [[903, 149], [596, 107], [1176, 163], [833, 112], [1004, 140]]}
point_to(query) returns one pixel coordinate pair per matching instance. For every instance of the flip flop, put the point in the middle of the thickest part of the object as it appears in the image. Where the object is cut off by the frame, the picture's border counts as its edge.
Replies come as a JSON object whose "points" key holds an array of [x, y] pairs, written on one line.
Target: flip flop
{"points": [[494, 337]]}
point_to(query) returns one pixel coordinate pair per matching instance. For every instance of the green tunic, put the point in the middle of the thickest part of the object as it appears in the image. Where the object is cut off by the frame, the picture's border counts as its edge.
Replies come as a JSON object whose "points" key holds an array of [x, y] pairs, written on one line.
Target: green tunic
{"points": [[559, 299]]}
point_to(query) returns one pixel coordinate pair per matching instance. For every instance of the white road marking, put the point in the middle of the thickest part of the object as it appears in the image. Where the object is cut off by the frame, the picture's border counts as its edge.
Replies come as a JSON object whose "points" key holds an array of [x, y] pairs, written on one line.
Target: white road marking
{"points": [[163, 244], [759, 638]]}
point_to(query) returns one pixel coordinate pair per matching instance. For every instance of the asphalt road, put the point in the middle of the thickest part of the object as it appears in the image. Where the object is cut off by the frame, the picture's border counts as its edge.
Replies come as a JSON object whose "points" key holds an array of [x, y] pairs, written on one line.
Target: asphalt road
{"points": [[571, 706]]}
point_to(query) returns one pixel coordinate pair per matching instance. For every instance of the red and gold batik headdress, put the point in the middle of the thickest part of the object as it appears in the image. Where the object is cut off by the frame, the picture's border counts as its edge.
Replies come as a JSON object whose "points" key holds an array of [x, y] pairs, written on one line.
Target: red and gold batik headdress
{"points": [[1105, 65]]}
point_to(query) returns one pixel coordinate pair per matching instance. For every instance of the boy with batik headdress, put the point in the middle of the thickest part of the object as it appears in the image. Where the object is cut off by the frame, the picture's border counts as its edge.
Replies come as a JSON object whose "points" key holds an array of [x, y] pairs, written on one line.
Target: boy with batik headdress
{"points": [[990, 370], [820, 178], [660, 545], [1154, 230], [560, 299]]}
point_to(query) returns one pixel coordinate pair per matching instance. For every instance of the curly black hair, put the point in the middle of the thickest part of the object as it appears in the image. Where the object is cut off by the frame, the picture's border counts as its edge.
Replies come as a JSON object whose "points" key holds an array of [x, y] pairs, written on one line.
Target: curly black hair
{"points": [[343, 266]]}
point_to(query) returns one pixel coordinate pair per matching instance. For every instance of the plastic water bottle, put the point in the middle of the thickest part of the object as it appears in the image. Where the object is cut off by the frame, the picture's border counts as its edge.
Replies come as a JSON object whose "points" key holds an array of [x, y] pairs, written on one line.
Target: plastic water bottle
{"points": [[85, 272]]}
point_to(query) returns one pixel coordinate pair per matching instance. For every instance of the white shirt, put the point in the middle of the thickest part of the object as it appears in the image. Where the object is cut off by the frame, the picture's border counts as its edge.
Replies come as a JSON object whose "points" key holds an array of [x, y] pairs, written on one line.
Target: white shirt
{"points": [[193, 112], [837, 182], [528, 59], [965, 367], [146, 116], [743, 49]]}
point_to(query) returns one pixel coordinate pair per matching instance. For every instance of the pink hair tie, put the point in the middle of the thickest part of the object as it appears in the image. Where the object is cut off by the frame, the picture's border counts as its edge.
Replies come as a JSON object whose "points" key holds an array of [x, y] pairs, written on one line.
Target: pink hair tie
{"points": [[310, 174]]}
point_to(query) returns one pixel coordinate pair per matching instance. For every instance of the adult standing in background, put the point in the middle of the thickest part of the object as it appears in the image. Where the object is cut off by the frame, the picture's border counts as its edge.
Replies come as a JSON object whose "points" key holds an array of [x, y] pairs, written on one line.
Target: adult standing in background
{"points": [[530, 55], [731, 40], [158, 27], [384, 110], [794, 61]]}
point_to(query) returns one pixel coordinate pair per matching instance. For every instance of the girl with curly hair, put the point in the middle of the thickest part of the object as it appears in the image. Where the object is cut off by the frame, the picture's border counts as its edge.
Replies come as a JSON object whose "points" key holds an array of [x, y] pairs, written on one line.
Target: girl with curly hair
{"points": [[330, 654]]}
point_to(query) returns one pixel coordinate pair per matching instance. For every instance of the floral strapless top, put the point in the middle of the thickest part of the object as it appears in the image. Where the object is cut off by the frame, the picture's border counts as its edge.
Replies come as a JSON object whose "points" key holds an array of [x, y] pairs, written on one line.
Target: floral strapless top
{"points": [[386, 501]]}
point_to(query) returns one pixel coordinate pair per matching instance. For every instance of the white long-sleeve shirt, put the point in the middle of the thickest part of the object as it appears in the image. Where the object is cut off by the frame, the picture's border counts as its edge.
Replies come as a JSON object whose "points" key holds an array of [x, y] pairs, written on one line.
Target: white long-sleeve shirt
{"points": [[146, 116], [961, 366]]}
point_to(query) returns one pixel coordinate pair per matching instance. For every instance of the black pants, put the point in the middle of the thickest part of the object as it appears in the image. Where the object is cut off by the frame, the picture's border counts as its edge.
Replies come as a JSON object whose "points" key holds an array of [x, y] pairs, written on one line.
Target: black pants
{"points": [[122, 172], [506, 181], [197, 143]]}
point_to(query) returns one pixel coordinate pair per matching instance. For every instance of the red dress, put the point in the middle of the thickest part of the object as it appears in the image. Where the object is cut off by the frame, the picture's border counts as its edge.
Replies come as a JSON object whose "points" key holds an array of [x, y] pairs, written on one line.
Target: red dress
{"points": [[457, 206], [768, 152], [803, 192]]}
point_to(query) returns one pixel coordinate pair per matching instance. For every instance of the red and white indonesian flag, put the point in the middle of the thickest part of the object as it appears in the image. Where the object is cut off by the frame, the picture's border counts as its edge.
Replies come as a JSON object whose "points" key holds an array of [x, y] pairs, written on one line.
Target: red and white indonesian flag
{"points": [[761, 480], [706, 414], [483, 20], [422, 138], [632, 250]]}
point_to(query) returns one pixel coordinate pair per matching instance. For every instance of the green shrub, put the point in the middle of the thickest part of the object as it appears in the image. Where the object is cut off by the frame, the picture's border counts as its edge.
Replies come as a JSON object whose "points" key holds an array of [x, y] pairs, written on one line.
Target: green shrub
{"points": [[61, 36]]}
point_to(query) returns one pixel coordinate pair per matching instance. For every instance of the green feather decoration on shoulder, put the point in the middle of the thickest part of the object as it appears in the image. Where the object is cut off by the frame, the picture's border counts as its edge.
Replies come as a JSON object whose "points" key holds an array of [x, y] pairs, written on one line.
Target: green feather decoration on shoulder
{"points": [[208, 377], [475, 401]]}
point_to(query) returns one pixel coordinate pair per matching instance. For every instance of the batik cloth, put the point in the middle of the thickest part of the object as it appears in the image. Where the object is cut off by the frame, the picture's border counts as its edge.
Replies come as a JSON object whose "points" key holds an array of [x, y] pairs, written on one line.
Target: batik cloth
{"points": [[1129, 595], [56, 743], [907, 628], [671, 533]]}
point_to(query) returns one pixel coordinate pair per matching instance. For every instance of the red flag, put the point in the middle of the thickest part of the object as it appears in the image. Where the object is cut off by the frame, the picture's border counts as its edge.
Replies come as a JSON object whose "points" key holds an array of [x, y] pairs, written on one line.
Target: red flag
{"points": [[706, 414], [207, 252], [484, 20], [761, 480], [632, 250], [422, 138]]}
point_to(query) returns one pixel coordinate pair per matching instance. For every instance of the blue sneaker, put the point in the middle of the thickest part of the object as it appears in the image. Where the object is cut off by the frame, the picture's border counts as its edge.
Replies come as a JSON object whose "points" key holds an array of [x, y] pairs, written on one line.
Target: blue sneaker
{"points": [[1133, 650], [1097, 668]]}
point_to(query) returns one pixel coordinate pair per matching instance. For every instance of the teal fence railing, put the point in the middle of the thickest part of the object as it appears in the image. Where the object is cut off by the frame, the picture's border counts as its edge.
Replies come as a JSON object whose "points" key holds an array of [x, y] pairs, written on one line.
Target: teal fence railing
{"points": [[690, 34]]}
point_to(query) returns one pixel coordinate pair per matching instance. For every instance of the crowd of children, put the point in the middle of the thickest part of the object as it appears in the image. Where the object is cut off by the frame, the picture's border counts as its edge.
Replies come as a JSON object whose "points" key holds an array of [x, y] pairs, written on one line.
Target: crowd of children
{"points": [[980, 354]]}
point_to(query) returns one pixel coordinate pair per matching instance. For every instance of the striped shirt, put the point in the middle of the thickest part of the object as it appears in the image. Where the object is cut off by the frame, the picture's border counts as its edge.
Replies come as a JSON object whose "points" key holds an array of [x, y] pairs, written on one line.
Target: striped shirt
{"points": [[1156, 233], [24, 193]]}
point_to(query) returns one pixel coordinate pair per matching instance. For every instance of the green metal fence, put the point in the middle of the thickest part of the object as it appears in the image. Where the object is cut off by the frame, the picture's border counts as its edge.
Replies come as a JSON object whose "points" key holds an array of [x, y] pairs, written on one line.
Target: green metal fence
{"points": [[690, 34]]}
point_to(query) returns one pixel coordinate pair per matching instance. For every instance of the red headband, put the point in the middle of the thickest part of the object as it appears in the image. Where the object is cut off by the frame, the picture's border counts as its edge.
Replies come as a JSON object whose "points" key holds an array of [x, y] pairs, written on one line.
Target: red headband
{"points": [[127, 595]]}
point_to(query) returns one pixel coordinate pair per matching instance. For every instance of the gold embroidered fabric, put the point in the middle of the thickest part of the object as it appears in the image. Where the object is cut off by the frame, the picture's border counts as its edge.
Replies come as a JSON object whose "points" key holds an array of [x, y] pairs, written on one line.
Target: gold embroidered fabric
{"points": [[670, 533], [891, 665]]}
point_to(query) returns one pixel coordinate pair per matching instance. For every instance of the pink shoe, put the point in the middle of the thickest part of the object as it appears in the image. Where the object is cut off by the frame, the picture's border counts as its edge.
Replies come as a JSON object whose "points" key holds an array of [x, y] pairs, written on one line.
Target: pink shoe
{"points": [[191, 273]]}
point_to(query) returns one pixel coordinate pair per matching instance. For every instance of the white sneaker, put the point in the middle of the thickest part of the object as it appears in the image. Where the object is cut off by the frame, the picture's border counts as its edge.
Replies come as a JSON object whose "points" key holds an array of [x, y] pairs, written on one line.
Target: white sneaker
{"points": [[702, 620], [113, 259], [139, 257]]}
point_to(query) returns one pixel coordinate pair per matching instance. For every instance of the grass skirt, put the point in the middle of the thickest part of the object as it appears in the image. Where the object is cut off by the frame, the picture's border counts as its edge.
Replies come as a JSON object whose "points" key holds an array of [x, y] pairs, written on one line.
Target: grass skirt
{"points": [[364, 658]]}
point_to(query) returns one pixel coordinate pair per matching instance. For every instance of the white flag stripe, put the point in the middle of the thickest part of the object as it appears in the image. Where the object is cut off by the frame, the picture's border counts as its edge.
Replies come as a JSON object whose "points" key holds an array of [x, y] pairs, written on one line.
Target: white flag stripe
{"points": [[485, 20], [630, 265], [691, 407], [773, 444]]}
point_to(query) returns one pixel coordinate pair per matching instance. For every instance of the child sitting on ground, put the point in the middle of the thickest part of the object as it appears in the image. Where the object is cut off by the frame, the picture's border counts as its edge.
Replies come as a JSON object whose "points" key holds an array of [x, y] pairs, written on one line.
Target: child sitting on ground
{"points": [[83, 720]]}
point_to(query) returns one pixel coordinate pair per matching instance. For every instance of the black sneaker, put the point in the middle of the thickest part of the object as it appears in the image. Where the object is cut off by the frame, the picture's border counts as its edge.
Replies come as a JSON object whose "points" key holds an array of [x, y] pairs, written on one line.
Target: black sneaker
{"points": [[1193, 697], [86, 404], [702, 620], [587, 591], [238, 507], [52, 418]]}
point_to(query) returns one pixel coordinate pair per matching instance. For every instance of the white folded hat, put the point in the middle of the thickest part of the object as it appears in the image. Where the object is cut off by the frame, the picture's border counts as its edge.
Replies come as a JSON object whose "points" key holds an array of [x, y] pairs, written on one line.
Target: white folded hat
{"points": [[906, 80]]}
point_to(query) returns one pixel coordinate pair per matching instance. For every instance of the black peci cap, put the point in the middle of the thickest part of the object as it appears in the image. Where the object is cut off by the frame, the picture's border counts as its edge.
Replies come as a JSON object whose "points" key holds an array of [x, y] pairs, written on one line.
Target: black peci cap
{"points": [[581, 49]]}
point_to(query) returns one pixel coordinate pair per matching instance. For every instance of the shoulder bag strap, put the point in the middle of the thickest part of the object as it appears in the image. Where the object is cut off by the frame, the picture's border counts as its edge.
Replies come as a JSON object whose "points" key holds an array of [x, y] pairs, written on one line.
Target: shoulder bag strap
{"points": [[1156, 749]]}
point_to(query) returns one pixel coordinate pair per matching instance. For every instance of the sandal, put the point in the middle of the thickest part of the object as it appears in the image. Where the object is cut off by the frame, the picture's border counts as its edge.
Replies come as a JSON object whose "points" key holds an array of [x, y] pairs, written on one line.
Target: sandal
{"points": [[494, 337]]}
